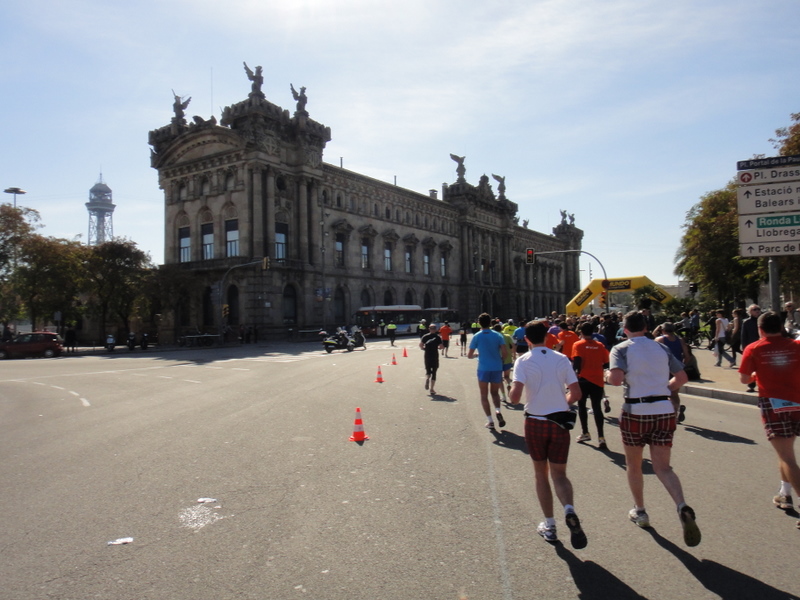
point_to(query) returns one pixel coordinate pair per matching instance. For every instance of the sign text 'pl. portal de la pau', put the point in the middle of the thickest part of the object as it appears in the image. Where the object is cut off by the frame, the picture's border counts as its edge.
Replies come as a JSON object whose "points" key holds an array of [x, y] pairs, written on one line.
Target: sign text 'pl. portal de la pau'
{"points": [[254, 186]]}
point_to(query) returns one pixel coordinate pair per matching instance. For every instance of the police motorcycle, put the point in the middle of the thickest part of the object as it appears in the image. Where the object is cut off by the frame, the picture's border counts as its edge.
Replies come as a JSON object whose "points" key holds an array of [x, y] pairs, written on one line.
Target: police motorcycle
{"points": [[145, 341], [341, 340], [131, 341], [110, 342]]}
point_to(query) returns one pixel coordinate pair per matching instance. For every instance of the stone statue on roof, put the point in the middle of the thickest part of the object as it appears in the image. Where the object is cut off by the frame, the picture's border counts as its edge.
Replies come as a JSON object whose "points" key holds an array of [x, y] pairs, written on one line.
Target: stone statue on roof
{"points": [[501, 189], [180, 105], [301, 98], [460, 169], [257, 78]]}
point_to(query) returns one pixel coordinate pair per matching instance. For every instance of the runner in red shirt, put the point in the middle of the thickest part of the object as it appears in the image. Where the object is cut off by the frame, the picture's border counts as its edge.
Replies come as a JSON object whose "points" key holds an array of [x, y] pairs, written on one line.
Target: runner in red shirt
{"points": [[773, 362]]}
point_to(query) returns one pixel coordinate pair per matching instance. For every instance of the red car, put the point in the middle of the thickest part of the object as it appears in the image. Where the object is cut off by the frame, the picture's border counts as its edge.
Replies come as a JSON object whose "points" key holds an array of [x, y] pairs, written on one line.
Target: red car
{"points": [[37, 343]]}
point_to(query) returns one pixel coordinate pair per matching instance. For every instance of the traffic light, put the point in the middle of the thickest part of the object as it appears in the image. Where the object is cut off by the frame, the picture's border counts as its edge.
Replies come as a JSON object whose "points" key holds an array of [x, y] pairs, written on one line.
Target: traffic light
{"points": [[226, 310], [530, 256], [603, 300], [265, 263], [693, 288]]}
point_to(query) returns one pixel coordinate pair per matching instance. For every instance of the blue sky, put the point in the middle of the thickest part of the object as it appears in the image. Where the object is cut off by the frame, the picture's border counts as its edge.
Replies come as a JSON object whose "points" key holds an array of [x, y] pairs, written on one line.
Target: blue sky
{"points": [[622, 112]]}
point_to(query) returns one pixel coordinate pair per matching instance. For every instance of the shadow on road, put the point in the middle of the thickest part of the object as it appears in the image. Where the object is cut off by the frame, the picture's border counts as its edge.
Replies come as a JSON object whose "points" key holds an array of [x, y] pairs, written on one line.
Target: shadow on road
{"points": [[593, 581], [718, 436], [719, 579], [510, 440]]}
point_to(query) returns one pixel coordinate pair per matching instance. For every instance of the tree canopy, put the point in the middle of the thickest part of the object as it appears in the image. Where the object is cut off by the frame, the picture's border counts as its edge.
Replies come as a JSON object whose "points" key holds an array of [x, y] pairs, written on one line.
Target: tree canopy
{"points": [[709, 249]]}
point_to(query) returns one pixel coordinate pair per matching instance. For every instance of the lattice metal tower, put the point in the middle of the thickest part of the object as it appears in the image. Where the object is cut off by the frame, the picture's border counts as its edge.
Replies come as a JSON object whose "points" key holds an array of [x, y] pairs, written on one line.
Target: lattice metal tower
{"points": [[101, 211]]}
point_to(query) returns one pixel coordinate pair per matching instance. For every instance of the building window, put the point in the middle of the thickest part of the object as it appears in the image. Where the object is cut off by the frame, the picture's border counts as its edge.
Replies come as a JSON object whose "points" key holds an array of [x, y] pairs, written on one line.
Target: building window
{"points": [[183, 192], [232, 237], [281, 235], [365, 253], [184, 245], [205, 187], [207, 235], [426, 262], [408, 259], [230, 181], [443, 263], [338, 253], [387, 256]]}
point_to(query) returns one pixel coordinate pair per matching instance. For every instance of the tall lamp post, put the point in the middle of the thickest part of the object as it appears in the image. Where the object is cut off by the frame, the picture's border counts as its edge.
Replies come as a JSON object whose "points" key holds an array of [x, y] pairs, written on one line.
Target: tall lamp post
{"points": [[15, 191]]}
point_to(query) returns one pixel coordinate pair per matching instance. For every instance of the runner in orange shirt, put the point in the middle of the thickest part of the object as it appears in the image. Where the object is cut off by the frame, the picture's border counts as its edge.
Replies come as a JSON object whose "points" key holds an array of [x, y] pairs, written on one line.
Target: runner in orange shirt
{"points": [[589, 359], [566, 339], [444, 333]]}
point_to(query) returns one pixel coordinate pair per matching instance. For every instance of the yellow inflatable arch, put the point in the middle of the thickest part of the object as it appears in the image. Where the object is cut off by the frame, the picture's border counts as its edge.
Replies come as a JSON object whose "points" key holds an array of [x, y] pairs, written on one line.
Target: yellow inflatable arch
{"points": [[627, 284]]}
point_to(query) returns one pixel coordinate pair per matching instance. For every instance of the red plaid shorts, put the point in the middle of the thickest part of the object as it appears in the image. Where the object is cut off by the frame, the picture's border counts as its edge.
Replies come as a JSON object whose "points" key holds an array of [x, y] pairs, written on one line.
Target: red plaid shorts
{"points": [[546, 441], [781, 424], [640, 430]]}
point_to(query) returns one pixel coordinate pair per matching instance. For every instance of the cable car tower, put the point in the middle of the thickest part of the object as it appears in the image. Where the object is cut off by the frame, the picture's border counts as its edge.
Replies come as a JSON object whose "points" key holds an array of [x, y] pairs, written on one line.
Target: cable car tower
{"points": [[101, 211]]}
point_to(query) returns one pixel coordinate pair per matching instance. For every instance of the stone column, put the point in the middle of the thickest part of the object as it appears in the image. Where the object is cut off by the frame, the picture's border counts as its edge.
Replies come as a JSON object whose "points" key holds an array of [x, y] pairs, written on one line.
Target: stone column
{"points": [[255, 245], [269, 234], [316, 216], [303, 218]]}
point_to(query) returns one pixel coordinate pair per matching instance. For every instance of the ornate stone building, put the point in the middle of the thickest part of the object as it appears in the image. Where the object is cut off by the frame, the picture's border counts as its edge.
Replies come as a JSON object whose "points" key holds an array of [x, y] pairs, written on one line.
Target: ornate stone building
{"points": [[255, 186]]}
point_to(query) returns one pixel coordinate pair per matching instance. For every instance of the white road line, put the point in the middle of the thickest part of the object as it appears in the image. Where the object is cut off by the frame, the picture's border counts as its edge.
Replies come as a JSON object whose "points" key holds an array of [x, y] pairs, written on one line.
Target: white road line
{"points": [[191, 381], [85, 402]]}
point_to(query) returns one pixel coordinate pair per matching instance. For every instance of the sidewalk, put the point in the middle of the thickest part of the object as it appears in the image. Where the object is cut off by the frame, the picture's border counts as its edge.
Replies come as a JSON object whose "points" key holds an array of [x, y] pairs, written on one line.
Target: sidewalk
{"points": [[721, 383]]}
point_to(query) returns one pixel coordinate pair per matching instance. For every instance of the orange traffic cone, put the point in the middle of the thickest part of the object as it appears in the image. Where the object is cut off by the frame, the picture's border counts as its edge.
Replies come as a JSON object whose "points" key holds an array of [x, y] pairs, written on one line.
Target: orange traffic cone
{"points": [[358, 429], [405, 354], [379, 378], [394, 360]]}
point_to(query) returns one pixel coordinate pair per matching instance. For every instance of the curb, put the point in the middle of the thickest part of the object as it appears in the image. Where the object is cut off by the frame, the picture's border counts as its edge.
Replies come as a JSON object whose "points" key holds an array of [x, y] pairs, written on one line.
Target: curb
{"points": [[706, 392]]}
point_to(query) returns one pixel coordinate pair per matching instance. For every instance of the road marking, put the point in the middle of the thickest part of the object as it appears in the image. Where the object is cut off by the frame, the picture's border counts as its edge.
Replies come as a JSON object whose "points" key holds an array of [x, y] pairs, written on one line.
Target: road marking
{"points": [[191, 381]]}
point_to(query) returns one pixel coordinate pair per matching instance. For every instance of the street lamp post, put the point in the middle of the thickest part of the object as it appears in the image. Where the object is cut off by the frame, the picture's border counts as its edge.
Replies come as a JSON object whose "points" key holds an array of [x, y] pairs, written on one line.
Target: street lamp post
{"points": [[15, 191]]}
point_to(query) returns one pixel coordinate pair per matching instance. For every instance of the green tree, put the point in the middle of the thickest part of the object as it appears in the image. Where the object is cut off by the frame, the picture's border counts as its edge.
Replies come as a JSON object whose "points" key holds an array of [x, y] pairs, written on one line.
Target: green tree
{"points": [[788, 144], [49, 277], [788, 140], [116, 271], [16, 224], [709, 250]]}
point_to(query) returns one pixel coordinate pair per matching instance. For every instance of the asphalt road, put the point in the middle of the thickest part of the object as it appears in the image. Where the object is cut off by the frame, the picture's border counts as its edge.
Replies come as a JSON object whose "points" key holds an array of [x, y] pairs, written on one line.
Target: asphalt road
{"points": [[98, 448]]}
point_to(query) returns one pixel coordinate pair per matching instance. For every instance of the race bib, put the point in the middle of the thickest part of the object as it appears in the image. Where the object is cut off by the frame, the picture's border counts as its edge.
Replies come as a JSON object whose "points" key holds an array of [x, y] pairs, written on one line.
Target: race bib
{"points": [[779, 405]]}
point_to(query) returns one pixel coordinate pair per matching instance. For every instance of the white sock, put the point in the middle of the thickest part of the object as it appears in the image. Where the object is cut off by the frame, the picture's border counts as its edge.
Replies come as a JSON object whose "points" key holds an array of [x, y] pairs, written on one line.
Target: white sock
{"points": [[568, 508], [786, 488], [550, 521]]}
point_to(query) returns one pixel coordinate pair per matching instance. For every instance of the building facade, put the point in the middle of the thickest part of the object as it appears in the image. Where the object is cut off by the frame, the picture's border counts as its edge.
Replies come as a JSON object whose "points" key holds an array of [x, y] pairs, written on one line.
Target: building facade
{"points": [[254, 186]]}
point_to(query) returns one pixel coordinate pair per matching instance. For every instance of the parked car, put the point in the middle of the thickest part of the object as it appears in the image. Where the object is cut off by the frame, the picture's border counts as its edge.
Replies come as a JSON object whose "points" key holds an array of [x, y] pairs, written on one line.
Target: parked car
{"points": [[37, 343]]}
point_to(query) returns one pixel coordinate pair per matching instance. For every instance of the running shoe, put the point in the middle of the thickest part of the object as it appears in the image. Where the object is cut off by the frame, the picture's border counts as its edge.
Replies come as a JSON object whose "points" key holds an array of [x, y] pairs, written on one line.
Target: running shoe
{"points": [[601, 443], [640, 517], [490, 425], [691, 532], [548, 533], [606, 406], [584, 437], [500, 420], [577, 537], [427, 383], [783, 502]]}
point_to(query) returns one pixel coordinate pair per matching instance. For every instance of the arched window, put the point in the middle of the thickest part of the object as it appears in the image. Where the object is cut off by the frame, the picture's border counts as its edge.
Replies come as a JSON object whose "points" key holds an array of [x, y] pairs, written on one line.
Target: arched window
{"points": [[388, 297], [233, 305], [445, 300], [366, 298], [409, 297], [426, 301]]}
